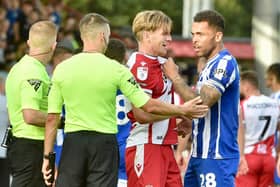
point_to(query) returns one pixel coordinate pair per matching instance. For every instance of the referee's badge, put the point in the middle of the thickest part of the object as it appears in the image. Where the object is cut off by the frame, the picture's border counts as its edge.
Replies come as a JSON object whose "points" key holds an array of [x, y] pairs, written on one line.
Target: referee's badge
{"points": [[142, 73]]}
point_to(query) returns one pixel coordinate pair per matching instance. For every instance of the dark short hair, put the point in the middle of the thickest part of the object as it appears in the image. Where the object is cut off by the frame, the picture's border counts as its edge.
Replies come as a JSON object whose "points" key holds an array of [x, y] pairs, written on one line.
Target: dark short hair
{"points": [[274, 69], [251, 77], [212, 17], [65, 45], [116, 50], [27, 2]]}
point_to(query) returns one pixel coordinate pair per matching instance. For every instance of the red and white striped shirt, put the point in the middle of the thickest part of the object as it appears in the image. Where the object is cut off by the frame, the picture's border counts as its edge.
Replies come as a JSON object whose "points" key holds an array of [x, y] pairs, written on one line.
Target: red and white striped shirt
{"points": [[148, 73]]}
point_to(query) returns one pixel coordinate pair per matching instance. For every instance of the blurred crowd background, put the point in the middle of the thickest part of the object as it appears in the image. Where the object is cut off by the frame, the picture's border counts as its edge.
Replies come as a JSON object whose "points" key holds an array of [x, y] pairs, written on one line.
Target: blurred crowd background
{"points": [[251, 34], [16, 16]]}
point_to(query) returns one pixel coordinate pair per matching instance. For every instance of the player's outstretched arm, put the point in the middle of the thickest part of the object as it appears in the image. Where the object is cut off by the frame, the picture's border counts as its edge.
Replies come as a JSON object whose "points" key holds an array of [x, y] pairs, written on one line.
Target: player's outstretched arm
{"points": [[144, 117], [190, 109]]}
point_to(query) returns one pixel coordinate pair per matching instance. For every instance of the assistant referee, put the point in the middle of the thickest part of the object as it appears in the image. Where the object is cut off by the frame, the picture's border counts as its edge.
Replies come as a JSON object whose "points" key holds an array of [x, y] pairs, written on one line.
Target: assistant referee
{"points": [[27, 89]]}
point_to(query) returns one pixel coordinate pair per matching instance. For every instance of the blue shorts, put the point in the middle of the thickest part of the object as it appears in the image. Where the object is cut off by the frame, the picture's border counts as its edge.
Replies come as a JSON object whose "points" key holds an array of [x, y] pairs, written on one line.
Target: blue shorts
{"points": [[122, 170], [276, 178], [211, 172], [58, 145]]}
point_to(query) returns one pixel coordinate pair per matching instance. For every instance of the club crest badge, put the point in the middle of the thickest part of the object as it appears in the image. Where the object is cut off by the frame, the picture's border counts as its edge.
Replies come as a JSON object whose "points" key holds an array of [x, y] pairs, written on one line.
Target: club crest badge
{"points": [[142, 73]]}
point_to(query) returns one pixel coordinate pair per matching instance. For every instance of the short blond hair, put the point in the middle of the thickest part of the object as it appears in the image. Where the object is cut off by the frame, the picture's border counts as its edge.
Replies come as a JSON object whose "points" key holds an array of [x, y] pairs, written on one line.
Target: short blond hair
{"points": [[42, 35], [91, 24], [150, 20]]}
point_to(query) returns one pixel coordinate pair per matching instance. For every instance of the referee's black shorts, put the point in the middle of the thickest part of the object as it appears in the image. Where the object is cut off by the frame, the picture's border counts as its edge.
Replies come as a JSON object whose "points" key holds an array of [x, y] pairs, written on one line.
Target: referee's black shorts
{"points": [[25, 161], [88, 159]]}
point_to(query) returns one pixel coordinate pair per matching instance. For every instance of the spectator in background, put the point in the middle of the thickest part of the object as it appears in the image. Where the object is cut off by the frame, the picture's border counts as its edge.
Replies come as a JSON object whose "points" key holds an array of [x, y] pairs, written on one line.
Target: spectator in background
{"points": [[4, 123], [4, 23], [13, 13], [54, 12], [71, 32], [116, 50], [34, 16], [260, 117], [22, 25], [10, 57], [3, 33], [27, 89], [27, 15]]}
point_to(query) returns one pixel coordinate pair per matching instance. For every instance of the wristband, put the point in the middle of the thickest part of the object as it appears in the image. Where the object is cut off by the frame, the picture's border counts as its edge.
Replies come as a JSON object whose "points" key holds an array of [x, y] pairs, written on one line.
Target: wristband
{"points": [[46, 156]]}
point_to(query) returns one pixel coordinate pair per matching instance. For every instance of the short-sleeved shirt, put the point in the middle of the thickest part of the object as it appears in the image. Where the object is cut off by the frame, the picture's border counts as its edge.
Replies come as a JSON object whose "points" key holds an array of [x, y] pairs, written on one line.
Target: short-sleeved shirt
{"points": [[261, 115], [27, 87], [276, 96], [147, 71], [215, 135], [123, 121], [87, 84]]}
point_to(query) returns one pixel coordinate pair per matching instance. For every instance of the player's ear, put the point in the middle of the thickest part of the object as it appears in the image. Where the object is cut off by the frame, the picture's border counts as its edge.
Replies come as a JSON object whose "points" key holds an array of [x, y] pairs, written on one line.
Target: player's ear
{"points": [[146, 35], [28, 43], [219, 36], [54, 45]]}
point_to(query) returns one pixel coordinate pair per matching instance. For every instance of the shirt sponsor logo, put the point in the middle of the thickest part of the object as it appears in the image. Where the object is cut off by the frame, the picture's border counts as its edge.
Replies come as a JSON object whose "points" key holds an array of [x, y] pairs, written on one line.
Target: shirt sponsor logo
{"points": [[219, 72], [35, 83], [142, 73], [159, 137]]}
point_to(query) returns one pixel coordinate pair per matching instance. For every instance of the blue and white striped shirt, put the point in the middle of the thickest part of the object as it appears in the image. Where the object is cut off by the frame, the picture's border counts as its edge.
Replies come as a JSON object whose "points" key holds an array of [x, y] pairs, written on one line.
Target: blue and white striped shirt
{"points": [[215, 135]]}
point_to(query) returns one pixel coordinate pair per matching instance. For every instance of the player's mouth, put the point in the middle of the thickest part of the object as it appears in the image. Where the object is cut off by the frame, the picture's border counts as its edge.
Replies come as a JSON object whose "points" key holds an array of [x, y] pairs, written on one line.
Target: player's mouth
{"points": [[196, 48], [164, 45]]}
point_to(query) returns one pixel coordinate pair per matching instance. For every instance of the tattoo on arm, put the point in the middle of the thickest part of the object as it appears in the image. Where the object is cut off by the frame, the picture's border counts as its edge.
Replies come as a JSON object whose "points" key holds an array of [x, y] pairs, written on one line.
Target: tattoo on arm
{"points": [[209, 95], [183, 89]]}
